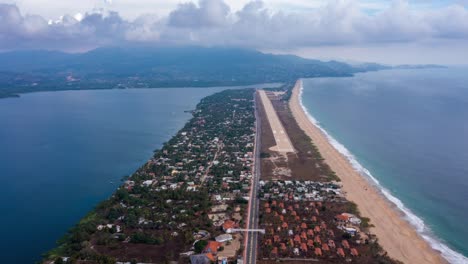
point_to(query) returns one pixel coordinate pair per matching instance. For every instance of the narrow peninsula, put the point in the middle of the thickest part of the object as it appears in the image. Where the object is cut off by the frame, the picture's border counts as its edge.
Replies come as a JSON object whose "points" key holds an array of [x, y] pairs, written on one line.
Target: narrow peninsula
{"points": [[249, 179]]}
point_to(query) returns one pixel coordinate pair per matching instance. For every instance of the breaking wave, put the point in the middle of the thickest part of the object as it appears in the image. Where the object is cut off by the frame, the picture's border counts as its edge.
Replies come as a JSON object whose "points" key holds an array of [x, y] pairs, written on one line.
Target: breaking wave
{"points": [[424, 231]]}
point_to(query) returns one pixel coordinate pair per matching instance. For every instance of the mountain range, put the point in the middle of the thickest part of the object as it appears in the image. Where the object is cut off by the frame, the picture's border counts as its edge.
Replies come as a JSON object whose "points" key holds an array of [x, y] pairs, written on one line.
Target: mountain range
{"points": [[148, 67]]}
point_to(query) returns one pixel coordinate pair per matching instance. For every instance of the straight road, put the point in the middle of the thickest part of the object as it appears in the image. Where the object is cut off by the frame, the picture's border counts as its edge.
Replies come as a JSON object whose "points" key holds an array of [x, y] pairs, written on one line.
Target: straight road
{"points": [[252, 216], [283, 143]]}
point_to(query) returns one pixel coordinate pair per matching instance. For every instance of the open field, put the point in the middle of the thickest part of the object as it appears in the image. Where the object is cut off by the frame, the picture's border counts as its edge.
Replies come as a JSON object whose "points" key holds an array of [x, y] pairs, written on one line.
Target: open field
{"points": [[304, 164]]}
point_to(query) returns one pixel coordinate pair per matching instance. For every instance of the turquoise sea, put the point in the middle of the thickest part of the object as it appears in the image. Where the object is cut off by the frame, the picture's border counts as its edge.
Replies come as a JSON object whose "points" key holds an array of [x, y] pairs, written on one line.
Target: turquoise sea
{"points": [[61, 153], [407, 131]]}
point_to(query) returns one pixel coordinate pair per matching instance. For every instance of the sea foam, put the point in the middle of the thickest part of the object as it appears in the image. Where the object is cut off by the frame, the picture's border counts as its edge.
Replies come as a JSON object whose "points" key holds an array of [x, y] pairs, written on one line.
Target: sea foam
{"points": [[424, 231]]}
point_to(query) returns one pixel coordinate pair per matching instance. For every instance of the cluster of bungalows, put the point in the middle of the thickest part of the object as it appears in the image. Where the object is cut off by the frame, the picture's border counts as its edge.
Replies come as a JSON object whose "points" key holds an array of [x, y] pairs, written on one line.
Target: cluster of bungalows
{"points": [[300, 191], [297, 229]]}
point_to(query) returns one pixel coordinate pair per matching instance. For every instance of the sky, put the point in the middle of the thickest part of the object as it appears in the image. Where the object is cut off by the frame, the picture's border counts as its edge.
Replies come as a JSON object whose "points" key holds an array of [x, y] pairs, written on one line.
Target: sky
{"points": [[391, 32]]}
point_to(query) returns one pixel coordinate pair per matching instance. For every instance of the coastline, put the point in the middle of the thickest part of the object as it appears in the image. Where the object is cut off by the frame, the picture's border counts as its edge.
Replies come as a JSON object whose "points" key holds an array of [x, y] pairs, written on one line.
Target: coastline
{"points": [[396, 235]]}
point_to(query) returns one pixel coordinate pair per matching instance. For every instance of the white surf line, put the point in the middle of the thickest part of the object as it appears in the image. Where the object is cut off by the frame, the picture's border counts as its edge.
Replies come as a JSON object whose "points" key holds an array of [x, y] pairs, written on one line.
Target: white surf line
{"points": [[422, 229]]}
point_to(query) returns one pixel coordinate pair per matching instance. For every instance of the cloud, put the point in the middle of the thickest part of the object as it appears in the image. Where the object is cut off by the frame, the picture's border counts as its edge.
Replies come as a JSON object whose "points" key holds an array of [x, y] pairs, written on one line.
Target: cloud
{"points": [[209, 13], [213, 22]]}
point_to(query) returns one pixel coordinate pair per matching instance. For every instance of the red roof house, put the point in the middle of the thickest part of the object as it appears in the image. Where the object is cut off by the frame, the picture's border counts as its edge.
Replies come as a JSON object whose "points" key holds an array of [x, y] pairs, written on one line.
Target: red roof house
{"points": [[340, 252]]}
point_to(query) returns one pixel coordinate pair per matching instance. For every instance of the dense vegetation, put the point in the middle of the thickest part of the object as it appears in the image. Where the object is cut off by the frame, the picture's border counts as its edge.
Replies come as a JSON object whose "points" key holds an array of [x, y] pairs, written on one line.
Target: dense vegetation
{"points": [[137, 67], [155, 215]]}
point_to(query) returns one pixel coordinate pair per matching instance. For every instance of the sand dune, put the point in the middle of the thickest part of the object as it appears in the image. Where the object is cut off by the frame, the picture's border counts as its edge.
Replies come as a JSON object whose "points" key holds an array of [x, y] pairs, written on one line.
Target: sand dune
{"points": [[395, 235]]}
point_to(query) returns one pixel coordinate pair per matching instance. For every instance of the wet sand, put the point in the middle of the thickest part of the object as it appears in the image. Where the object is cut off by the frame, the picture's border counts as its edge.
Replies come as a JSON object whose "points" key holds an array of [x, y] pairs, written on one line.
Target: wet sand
{"points": [[395, 235]]}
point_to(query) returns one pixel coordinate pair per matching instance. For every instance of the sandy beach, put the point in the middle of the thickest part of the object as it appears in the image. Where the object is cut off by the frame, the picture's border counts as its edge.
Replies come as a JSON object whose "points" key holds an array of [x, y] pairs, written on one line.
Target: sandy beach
{"points": [[395, 235]]}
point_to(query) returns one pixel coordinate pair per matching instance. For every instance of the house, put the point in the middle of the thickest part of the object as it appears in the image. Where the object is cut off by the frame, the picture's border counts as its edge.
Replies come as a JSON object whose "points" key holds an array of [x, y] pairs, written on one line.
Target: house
{"points": [[297, 239], [331, 243], [318, 240], [212, 247], [274, 252], [304, 247], [223, 238], [296, 251], [317, 229], [276, 238], [351, 231], [354, 252], [340, 252], [283, 246], [318, 252], [325, 247], [345, 244], [201, 259], [228, 224]]}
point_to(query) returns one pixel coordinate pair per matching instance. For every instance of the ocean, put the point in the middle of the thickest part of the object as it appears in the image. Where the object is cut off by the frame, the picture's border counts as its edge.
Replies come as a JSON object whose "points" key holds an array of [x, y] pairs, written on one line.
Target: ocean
{"points": [[63, 152], [407, 132]]}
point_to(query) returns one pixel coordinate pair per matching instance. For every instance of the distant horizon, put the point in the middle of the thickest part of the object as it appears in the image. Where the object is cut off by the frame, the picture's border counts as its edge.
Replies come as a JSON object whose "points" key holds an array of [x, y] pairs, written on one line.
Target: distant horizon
{"points": [[387, 32], [310, 55]]}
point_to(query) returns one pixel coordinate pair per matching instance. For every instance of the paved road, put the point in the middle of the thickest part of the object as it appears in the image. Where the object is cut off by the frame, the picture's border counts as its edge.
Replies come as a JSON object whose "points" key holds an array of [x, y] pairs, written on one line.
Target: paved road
{"points": [[283, 143], [252, 237]]}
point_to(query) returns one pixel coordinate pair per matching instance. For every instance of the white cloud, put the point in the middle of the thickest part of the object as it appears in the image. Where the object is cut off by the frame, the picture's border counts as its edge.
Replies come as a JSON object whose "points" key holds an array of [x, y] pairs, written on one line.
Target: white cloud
{"points": [[338, 23]]}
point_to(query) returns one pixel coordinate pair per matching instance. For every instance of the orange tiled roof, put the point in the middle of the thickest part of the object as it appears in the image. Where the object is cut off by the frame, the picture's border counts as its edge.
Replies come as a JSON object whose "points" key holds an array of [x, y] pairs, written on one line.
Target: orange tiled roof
{"points": [[345, 243], [228, 224], [342, 218], [274, 251], [340, 252], [212, 247], [354, 252], [317, 229], [283, 246], [318, 252], [325, 247], [276, 238], [210, 256], [318, 240], [297, 239]]}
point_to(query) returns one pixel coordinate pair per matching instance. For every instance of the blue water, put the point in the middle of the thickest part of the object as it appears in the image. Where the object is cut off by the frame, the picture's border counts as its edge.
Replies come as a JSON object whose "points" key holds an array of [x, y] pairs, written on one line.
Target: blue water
{"points": [[409, 129], [63, 152]]}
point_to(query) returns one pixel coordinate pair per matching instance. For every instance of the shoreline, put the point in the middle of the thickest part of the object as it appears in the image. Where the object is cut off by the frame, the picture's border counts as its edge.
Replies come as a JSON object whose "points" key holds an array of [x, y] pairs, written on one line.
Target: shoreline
{"points": [[395, 234]]}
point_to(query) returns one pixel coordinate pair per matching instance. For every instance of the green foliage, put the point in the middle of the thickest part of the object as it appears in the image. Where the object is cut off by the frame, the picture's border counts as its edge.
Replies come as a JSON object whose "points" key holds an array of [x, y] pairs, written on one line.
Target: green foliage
{"points": [[200, 245], [144, 238]]}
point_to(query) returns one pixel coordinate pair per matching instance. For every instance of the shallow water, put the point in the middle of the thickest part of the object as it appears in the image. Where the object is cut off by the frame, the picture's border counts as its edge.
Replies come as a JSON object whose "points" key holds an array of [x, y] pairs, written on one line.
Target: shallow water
{"points": [[63, 152], [409, 130]]}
